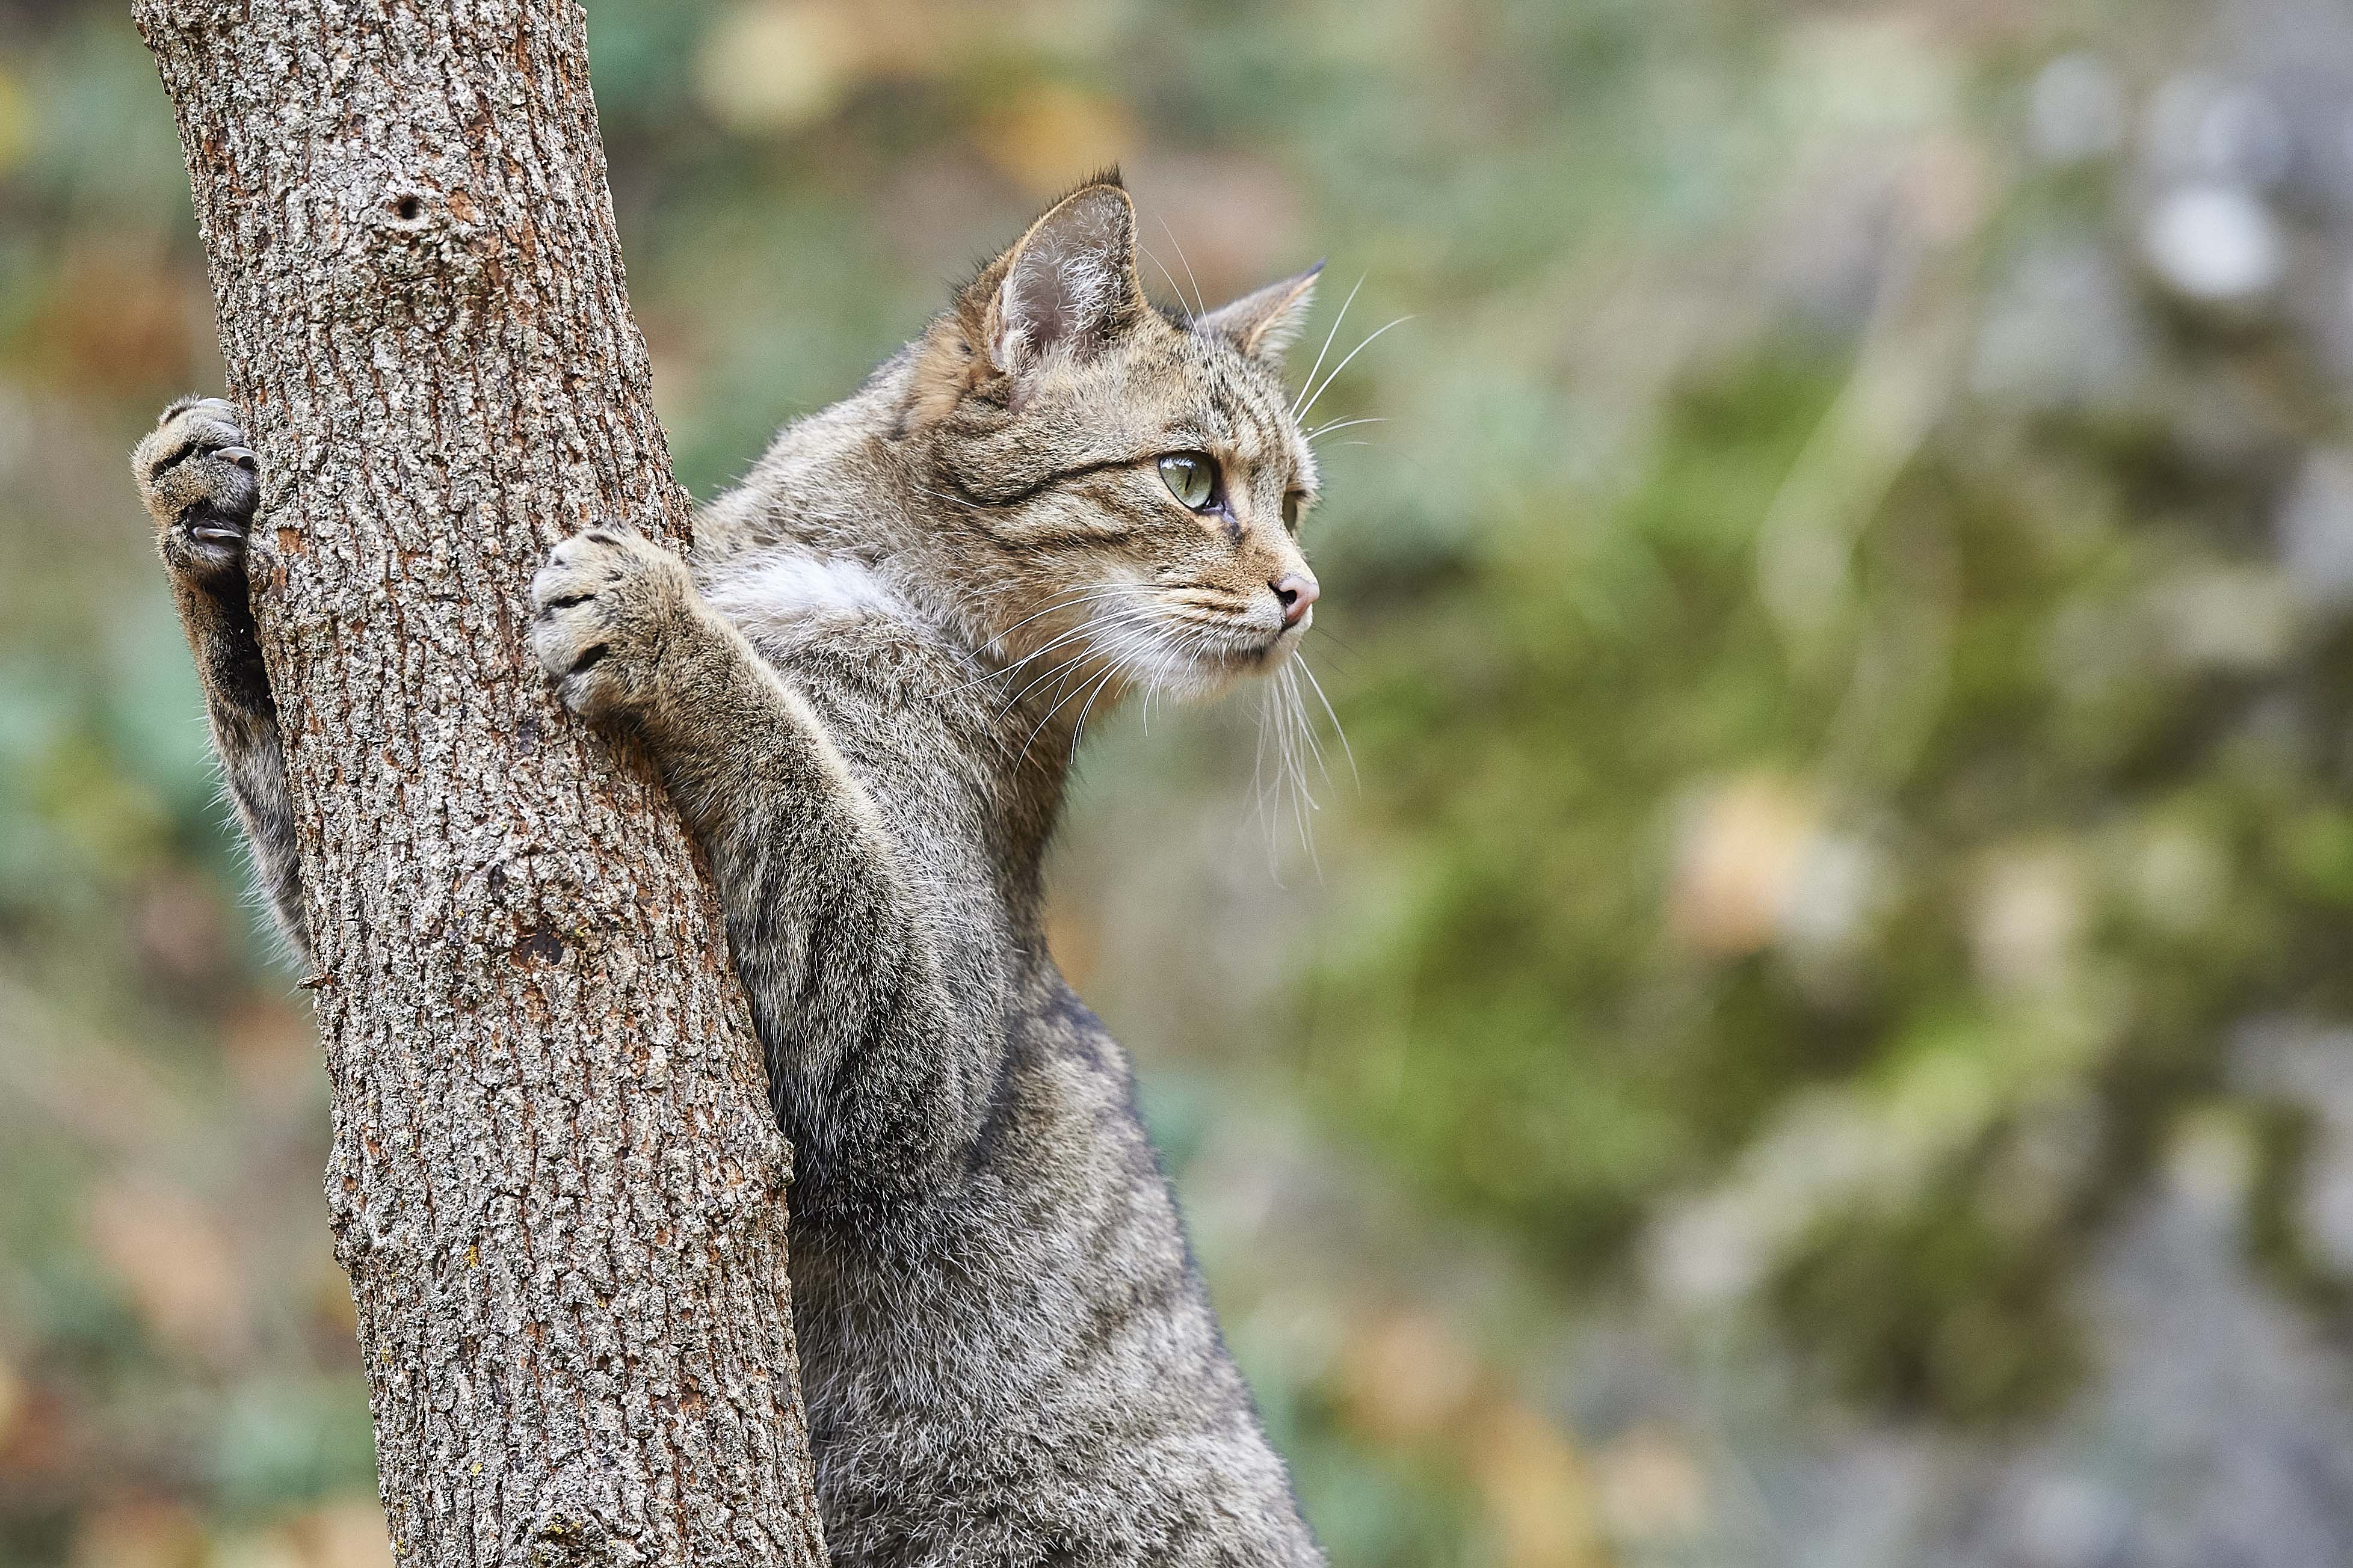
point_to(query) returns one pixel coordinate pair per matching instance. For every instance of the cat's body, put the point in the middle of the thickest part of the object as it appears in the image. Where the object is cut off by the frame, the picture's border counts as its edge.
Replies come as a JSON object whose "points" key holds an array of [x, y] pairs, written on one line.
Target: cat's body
{"points": [[863, 694]]}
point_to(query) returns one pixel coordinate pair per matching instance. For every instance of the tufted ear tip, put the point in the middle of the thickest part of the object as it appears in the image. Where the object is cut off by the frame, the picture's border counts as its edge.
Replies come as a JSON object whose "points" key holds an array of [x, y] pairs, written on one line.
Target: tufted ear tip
{"points": [[1068, 287], [1068, 284], [1265, 322]]}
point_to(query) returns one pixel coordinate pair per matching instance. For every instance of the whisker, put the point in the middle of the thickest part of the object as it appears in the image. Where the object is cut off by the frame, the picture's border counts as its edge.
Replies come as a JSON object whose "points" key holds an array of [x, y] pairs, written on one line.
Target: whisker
{"points": [[1310, 436], [1314, 859], [1328, 336], [1110, 596], [1200, 307], [1350, 659], [1079, 730], [1076, 597], [1258, 783], [1127, 638], [1073, 601], [1085, 634], [1094, 649], [1056, 707], [1015, 699], [1189, 317], [1041, 729], [1336, 369], [964, 501], [1306, 730], [1337, 728], [1270, 789], [1302, 799]]}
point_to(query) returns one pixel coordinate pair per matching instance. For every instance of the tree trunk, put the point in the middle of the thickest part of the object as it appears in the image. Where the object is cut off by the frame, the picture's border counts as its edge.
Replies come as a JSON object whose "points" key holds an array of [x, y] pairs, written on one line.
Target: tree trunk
{"points": [[555, 1184]]}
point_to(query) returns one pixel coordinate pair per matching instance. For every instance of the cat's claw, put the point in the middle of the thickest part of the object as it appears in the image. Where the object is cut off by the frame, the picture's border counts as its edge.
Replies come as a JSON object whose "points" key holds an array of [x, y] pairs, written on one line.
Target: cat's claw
{"points": [[605, 604], [201, 484]]}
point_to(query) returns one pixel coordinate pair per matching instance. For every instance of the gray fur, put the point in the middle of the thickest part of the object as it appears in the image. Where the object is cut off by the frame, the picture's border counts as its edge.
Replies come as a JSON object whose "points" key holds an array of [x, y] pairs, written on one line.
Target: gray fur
{"points": [[863, 692]]}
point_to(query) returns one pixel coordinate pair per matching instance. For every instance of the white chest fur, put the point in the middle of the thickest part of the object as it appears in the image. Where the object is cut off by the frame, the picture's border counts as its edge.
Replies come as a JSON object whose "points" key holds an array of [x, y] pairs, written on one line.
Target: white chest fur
{"points": [[780, 591]]}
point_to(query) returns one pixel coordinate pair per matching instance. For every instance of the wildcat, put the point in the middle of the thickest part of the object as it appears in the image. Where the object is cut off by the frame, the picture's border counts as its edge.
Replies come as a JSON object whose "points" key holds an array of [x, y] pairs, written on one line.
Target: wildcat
{"points": [[863, 691]]}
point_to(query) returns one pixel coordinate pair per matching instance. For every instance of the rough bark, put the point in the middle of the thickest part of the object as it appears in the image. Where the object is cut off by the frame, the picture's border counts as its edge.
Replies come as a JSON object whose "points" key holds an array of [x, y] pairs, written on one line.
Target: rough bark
{"points": [[555, 1183]]}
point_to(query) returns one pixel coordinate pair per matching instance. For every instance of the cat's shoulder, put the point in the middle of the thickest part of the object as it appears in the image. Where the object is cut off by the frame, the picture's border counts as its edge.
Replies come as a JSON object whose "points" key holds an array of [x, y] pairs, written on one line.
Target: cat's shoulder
{"points": [[836, 620]]}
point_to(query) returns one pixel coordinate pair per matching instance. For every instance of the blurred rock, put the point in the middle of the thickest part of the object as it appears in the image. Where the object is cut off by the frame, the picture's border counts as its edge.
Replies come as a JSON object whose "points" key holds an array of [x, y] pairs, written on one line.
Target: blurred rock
{"points": [[2214, 244], [2310, 1068], [2225, 617], [2210, 1163], [2205, 127], [2068, 1521]]}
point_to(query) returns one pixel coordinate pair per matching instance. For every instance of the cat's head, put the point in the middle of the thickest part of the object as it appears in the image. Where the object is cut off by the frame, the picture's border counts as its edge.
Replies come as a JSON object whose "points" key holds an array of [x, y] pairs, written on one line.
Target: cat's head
{"points": [[1118, 482]]}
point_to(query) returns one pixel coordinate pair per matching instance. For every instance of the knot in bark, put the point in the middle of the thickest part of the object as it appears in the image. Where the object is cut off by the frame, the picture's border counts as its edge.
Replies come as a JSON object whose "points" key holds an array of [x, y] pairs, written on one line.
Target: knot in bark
{"points": [[419, 247]]}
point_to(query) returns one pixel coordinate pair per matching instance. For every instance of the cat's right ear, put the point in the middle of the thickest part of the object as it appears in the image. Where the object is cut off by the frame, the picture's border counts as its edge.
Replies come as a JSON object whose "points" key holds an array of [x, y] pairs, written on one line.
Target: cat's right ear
{"points": [[1067, 288], [1068, 285]]}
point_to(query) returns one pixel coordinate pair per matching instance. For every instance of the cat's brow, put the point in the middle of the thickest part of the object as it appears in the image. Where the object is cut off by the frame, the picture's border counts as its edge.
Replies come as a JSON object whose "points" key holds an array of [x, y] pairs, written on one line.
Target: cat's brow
{"points": [[1037, 487]]}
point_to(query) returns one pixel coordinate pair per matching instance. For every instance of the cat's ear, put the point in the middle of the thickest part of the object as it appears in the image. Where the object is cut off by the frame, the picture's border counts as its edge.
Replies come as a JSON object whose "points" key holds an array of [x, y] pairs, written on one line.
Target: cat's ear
{"points": [[1067, 286], [1265, 322]]}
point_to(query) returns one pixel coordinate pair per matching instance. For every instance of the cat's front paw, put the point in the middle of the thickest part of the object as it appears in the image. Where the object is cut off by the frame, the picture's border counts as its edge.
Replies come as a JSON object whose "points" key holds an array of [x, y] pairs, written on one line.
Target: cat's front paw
{"points": [[609, 605], [200, 483]]}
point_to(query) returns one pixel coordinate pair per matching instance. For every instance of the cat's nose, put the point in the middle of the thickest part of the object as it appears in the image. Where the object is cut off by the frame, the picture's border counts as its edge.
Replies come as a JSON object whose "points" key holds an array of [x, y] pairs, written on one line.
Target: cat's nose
{"points": [[1297, 590]]}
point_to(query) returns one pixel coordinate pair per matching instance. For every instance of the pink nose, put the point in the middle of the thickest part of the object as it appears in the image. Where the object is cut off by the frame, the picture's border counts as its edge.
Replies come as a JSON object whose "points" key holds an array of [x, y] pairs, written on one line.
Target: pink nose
{"points": [[1297, 591]]}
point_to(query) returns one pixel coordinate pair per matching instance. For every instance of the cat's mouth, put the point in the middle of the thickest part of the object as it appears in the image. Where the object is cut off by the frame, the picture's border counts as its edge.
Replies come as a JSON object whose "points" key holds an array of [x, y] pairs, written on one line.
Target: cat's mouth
{"points": [[1189, 650], [1250, 652]]}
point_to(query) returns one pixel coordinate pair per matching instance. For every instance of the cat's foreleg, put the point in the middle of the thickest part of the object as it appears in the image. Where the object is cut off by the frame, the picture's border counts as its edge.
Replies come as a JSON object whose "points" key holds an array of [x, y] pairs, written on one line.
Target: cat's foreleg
{"points": [[869, 1076], [200, 484]]}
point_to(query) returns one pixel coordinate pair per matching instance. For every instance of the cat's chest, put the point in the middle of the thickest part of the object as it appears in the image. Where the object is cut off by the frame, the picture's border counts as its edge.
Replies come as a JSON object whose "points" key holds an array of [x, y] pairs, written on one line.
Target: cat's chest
{"points": [[781, 593]]}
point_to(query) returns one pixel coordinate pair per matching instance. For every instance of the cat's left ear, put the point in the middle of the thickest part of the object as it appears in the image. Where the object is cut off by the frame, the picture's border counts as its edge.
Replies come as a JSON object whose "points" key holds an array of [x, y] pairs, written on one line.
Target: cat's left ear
{"points": [[1263, 323]]}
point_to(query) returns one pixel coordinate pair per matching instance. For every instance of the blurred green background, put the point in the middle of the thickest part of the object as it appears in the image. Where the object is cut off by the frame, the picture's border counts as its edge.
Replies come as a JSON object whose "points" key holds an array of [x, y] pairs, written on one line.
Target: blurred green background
{"points": [[1813, 1027]]}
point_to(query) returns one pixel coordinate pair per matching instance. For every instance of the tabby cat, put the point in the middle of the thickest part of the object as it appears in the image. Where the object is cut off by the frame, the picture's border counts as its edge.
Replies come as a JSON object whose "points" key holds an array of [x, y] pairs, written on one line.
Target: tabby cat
{"points": [[864, 690]]}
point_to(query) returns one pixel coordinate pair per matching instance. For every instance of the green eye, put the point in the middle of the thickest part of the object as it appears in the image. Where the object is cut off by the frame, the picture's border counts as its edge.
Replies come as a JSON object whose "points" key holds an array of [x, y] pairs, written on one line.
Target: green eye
{"points": [[1294, 503], [1191, 478]]}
